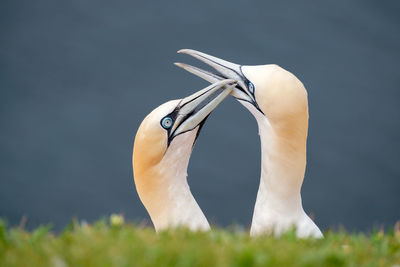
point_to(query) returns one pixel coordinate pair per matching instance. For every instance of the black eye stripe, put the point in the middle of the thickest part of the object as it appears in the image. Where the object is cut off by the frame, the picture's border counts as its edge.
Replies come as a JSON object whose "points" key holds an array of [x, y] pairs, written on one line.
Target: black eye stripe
{"points": [[246, 81], [172, 116]]}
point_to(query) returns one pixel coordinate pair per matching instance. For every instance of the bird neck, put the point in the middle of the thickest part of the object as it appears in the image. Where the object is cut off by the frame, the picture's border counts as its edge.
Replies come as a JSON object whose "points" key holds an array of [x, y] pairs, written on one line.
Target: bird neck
{"points": [[278, 206], [165, 192], [283, 162]]}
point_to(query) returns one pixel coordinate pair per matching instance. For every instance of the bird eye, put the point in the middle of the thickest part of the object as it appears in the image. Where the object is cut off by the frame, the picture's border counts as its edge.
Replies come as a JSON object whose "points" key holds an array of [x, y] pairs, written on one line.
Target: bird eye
{"points": [[251, 87], [166, 123]]}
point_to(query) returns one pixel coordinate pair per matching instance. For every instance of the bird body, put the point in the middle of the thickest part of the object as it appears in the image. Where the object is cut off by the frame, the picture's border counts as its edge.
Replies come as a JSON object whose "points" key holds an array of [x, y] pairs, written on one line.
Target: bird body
{"points": [[279, 103], [161, 153]]}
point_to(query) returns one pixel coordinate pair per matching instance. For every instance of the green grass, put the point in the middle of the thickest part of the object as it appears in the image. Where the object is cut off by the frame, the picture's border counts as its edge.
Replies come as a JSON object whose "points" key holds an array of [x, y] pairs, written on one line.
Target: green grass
{"points": [[120, 244]]}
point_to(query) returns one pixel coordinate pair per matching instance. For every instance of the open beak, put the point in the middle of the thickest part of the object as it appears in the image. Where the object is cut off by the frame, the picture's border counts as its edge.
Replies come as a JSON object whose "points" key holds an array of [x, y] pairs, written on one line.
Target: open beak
{"points": [[192, 111], [244, 90]]}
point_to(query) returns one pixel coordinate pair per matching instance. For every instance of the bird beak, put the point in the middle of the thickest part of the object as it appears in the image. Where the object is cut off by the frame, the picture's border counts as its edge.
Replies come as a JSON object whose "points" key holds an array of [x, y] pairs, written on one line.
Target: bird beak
{"points": [[225, 69], [193, 110]]}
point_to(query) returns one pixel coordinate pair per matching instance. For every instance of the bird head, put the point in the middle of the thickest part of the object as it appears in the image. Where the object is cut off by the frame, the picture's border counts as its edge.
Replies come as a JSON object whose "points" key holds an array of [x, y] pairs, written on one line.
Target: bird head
{"points": [[165, 139], [263, 89]]}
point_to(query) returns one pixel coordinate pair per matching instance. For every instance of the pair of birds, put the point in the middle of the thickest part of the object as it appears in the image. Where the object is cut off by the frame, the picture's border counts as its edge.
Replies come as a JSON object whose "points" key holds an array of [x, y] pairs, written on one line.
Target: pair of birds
{"points": [[165, 138]]}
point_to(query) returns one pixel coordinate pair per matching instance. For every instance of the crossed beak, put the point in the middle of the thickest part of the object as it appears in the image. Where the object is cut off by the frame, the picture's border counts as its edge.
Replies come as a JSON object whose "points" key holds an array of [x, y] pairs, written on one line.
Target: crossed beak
{"points": [[192, 111], [244, 89]]}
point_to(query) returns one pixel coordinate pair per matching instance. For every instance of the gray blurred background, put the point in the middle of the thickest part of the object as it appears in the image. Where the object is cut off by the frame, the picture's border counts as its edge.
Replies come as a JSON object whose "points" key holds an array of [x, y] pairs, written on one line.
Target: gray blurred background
{"points": [[77, 78]]}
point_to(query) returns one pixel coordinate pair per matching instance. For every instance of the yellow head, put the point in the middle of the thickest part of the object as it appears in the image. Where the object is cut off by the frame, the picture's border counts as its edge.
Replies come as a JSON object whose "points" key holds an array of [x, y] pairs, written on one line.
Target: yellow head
{"points": [[277, 92], [163, 145]]}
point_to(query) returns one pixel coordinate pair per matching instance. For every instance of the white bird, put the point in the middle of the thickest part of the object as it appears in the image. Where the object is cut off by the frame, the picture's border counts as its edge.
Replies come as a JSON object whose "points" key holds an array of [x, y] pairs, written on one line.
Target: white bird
{"points": [[161, 153], [278, 101]]}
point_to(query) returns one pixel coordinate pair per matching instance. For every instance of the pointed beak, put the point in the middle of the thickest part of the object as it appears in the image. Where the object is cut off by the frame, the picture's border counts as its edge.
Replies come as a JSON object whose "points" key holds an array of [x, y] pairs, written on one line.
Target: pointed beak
{"points": [[193, 110], [244, 90]]}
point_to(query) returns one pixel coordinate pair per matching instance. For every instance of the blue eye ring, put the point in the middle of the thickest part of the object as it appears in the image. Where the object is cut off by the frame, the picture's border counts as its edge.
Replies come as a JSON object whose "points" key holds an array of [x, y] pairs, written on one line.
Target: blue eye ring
{"points": [[251, 87], [167, 122]]}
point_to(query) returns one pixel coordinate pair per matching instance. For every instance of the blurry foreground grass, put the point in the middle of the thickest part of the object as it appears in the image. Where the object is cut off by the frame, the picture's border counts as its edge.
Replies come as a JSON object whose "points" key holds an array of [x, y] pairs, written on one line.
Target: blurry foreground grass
{"points": [[120, 244]]}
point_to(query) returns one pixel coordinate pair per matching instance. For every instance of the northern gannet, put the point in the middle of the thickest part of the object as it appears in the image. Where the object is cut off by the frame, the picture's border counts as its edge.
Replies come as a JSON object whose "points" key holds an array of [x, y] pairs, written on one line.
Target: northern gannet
{"points": [[161, 153], [278, 101]]}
